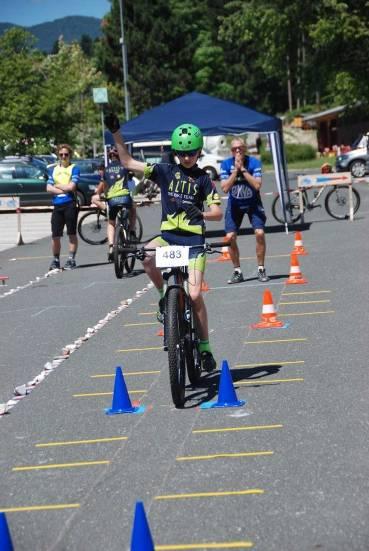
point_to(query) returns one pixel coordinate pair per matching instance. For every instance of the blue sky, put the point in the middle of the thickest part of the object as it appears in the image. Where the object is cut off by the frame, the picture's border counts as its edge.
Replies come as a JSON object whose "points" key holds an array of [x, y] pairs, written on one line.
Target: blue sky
{"points": [[33, 12]]}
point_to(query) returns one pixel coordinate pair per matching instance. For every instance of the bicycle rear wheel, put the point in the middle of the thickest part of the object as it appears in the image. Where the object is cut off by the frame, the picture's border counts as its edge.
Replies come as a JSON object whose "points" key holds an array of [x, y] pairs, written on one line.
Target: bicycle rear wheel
{"points": [[92, 228], [337, 202], [175, 335], [120, 257], [292, 207]]}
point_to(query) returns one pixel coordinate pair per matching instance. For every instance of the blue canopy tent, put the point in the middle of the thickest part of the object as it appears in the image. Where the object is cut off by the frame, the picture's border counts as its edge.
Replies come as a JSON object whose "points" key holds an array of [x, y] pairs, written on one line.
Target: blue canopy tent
{"points": [[214, 116]]}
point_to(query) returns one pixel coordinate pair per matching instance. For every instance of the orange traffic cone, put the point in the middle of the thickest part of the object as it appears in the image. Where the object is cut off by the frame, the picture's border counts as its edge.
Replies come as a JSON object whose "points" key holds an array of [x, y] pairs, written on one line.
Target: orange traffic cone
{"points": [[296, 276], [204, 286], [160, 332], [225, 253], [268, 314], [299, 247]]}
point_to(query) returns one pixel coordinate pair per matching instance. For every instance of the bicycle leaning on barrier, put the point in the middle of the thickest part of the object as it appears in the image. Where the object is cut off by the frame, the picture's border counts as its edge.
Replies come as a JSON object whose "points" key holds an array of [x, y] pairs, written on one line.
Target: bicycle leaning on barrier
{"points": [[181, 339], [336, 203]]}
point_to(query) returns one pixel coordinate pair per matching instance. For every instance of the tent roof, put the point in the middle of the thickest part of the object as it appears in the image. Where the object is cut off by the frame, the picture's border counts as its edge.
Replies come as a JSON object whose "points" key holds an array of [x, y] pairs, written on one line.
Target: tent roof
{"points": [[213, 115]]}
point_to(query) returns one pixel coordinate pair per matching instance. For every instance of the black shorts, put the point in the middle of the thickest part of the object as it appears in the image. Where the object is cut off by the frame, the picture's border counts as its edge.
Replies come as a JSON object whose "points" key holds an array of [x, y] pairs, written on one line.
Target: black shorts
{"points": [[64, 215], [116, 203]]}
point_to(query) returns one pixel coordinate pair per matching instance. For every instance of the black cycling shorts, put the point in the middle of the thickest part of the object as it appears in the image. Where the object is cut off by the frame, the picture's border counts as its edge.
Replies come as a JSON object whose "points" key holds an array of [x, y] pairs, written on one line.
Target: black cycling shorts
{"points": [[116, 203], [64, 215]]}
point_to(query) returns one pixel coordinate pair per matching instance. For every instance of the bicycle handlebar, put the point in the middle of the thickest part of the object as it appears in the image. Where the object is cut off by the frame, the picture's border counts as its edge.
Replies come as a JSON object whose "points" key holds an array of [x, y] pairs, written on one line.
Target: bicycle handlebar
{"points": [[140, 253]]}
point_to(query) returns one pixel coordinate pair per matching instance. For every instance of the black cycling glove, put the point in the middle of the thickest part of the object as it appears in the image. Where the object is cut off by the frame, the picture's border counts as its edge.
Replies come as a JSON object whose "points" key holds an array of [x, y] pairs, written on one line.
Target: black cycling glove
{"points": [[112, 122], [193, 213]]}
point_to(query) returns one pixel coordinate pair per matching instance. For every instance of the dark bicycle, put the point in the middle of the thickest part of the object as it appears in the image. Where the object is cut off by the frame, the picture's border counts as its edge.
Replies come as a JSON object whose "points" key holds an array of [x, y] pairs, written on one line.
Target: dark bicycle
{"points": [[92, 227], [181, 339]]}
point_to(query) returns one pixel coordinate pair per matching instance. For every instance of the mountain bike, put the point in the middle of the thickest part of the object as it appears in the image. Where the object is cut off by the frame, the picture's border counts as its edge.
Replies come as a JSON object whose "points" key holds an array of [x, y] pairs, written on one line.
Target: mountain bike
{"points": [[336, 203], [92, 227], [181, 339]]}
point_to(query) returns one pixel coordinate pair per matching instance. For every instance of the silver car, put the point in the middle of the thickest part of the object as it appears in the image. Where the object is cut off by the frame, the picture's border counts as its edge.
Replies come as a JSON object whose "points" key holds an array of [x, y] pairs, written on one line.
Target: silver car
{"points": [[355, 161]]}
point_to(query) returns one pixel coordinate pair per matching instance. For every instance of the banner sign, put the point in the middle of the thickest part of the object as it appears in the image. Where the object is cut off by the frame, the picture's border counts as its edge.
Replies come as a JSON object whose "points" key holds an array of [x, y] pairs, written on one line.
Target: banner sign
{"points": [[331, 179]]}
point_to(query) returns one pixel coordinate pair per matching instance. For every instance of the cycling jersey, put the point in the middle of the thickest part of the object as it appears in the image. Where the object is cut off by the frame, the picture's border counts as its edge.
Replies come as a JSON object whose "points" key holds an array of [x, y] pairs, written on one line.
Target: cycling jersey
{"points": [[116, 178], [63, 175], [242, 193], [179, 187]]}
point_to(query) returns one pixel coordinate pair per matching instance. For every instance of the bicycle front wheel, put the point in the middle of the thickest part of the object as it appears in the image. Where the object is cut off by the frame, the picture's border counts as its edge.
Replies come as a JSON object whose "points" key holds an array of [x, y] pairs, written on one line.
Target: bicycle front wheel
{"points": [[193, 358], [120, 257], [92, 228], [292, 207], [337, 202], [138, 228], [175, 331]]}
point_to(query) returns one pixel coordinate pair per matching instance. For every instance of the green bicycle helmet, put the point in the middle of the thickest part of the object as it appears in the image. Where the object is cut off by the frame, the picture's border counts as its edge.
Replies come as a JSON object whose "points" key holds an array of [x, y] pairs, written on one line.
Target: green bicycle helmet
{"points": [[187, 137]]}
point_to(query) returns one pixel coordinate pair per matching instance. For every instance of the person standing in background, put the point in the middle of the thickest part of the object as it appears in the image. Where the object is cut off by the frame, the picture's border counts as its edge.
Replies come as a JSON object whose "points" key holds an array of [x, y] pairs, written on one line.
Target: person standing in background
{"points": [[62, 184], [241, 178]]}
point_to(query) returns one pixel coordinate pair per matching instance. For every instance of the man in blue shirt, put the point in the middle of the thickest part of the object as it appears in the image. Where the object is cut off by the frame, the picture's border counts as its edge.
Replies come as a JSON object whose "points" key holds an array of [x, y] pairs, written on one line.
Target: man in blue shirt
{"points": [[62, 184], [241, 179]]}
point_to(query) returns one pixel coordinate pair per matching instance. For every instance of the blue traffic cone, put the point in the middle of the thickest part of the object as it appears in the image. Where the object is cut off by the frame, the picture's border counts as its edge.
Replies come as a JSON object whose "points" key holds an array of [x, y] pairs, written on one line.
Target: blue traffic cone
{"points": [[5, 539], [121, 400], [227, 397], [141, 539]]}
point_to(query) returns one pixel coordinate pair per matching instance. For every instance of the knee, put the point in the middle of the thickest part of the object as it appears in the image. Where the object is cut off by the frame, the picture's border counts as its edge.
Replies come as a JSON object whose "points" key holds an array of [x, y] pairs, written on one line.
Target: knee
{"points": [[148, 262], [195, 294], [260, 236]]}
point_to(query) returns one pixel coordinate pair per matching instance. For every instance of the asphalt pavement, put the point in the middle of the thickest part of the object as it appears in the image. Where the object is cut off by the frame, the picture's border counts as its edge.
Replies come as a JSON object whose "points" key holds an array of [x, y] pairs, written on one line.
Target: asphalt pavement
{"points": [[288, 471]]}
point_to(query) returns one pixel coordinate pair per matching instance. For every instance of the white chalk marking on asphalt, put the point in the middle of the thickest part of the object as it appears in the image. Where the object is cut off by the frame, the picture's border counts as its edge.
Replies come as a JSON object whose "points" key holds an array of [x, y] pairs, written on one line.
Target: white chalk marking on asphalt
{"points": [[89, 285], [51, 307], [21, 391]]}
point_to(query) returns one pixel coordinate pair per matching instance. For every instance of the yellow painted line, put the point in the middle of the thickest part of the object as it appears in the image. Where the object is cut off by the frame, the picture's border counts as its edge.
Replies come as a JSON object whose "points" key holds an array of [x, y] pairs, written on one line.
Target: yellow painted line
{"points": [[275, 341], [255, 491], [142, 323], [126, 374], [222, 455], [233, 429], [307, 313], [39, 508], [271, 381], [305, 302], [140, 349], [90, 394], [146, 313], [75, 442], [213, 545], [305, 293], [266, 364], [59, 465]]}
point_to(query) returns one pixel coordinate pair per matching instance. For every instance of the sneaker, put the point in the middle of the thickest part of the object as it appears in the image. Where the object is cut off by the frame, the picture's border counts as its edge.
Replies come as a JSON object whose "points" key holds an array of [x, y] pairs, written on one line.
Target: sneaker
{"points": [[55, 265], [110, 253], [207, 362], [160, 312], [70, 264], [237, 277], [262, 276]]}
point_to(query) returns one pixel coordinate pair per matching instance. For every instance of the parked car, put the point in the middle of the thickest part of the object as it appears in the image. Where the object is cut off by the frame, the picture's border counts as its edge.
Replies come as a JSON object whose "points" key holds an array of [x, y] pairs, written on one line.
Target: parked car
{"points": [[151, 152], [26, 177], [355, 161]]}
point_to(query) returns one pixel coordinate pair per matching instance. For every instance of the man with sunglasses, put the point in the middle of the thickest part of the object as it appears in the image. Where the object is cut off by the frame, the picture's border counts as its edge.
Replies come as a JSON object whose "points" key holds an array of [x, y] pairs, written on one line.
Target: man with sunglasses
{"points": [[114, 184], [184, 188], [241, 179], [62, 184]]}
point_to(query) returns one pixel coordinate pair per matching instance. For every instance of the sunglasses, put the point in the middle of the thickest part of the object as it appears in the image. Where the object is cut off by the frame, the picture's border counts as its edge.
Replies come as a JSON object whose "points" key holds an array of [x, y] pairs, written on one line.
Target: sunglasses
{"points": [[191, 153], [63, 154], [238, 148]]}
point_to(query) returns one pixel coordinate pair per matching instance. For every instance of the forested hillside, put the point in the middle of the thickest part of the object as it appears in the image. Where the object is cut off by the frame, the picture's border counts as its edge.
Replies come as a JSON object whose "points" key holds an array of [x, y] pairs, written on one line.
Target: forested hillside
{"points": [[72, 28]]}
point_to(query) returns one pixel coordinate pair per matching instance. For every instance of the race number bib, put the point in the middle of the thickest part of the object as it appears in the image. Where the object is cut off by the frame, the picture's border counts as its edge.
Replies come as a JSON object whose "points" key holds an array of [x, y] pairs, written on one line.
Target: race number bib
{"points": [[171, 256]]}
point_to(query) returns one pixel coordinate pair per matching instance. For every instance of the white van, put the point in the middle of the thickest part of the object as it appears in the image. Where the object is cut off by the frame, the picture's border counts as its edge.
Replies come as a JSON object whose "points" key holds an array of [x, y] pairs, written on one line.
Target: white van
{"points": [[152, 152]]}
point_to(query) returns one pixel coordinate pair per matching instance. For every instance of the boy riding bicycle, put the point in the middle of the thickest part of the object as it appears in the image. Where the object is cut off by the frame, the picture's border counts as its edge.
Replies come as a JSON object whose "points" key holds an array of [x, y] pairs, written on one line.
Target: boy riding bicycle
{"points": [[184, 188], [114, 184]]}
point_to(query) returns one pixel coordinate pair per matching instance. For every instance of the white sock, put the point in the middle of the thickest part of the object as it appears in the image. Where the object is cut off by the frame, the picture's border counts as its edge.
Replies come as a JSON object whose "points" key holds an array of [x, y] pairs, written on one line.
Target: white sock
{"points": [[260, 268], [238, 270]]}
